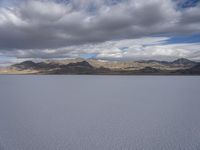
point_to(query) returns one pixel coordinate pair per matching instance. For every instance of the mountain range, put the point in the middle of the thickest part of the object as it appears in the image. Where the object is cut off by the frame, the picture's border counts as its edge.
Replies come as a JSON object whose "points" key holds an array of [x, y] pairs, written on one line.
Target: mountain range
{"points": [[180, 66]]}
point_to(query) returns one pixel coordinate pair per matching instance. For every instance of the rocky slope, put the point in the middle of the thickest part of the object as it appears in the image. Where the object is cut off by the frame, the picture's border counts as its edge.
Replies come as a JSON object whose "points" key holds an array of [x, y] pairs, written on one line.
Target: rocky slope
{"points": [[92, 66]]}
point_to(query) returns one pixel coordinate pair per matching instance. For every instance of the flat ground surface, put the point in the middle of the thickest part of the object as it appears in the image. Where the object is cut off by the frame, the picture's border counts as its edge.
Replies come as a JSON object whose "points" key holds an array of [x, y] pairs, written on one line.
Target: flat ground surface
{"points": [[99, 112]]}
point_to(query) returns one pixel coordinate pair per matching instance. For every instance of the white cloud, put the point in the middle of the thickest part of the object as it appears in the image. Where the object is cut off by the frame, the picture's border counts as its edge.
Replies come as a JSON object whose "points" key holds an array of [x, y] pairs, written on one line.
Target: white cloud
{"points": [[121, 29], [44, 24], [134, 49], [149, 48]]}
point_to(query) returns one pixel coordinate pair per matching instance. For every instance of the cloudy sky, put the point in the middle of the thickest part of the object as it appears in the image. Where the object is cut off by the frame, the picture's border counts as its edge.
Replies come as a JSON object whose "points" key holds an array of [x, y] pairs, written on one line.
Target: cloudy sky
{"points": [[103, 29]]}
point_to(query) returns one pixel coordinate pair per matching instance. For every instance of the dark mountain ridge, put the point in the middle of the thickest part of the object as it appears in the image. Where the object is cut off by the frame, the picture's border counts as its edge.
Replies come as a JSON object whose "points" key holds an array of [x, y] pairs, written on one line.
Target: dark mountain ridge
{"points": [[180, 66], [183, 61]]}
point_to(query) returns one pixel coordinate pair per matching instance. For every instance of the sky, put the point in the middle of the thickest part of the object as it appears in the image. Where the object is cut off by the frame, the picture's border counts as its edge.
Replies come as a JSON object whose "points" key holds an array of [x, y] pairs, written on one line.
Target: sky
{"points": [[100, 29]]}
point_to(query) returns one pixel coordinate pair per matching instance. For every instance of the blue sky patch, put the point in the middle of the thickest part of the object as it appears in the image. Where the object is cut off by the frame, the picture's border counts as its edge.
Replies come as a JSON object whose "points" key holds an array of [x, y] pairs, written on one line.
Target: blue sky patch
{"points": [[195, 38], [123, 49], [187, 3], [89, 55]]}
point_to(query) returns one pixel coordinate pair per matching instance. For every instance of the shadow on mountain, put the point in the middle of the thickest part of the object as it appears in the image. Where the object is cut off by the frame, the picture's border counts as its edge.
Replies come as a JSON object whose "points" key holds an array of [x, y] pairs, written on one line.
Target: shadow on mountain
{"points": [[180, 66], [195, 70]]}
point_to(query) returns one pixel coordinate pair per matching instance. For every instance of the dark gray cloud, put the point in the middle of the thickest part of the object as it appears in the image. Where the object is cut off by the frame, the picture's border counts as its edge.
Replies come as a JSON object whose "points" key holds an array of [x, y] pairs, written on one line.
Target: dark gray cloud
{"points": [[29, 28], [47, 24]]}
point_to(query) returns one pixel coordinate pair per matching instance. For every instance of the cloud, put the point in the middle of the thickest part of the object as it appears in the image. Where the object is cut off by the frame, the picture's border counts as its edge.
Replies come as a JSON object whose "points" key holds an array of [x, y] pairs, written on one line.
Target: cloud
{"points": [[149, 48], [44, 24], [127, 49], [109, 29]]}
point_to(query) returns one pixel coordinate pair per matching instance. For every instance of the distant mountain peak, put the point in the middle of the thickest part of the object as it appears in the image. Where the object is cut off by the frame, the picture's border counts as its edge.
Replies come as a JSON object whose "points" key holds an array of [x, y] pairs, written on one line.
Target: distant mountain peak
{"points": [[80, 64], [183, 61], [27, 62], [88, 66], [25, 65]]}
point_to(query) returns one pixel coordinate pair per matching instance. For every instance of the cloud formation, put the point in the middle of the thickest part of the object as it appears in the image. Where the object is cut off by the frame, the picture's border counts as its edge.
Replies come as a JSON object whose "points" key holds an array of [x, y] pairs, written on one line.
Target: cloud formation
{"points": [[34, 27], [128, 49]]}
